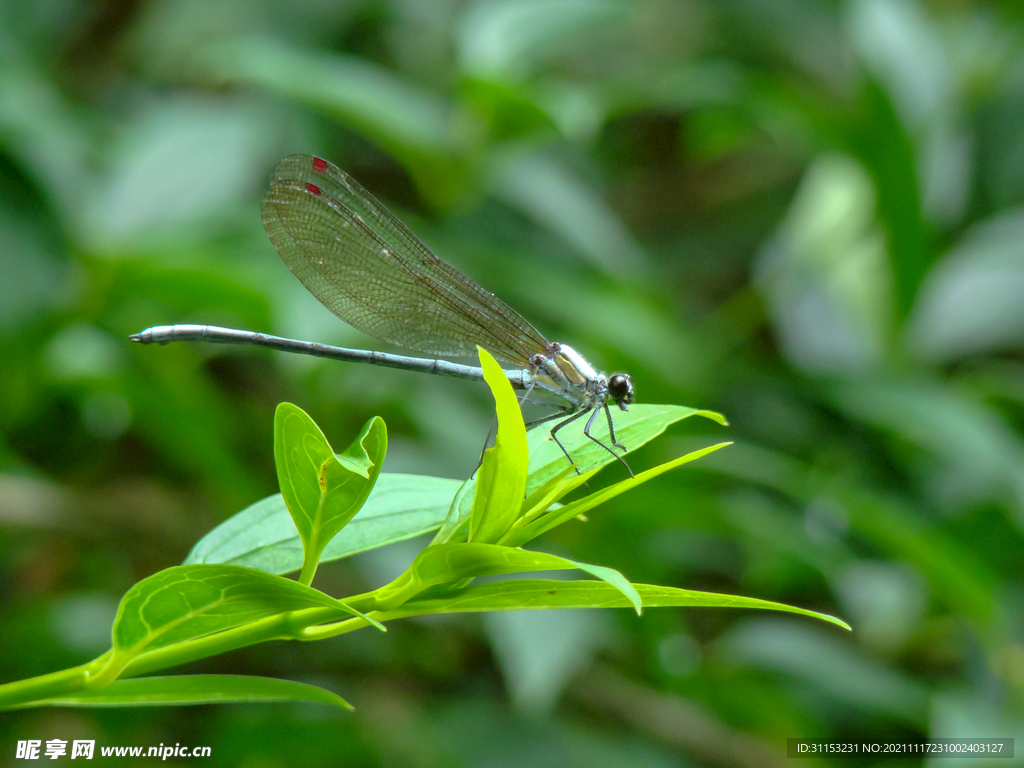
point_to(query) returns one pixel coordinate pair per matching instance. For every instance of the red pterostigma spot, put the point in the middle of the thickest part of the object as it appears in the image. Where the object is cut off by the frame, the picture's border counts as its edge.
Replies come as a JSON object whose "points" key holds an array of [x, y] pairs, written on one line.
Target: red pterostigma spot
{"points": [[319, 164], [313, 189]]}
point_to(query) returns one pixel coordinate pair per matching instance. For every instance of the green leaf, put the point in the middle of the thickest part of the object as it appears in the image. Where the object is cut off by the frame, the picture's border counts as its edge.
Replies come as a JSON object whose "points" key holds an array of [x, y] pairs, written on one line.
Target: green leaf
{"points": [[580, 506], [321, 490], [450, 562], [501, 481], [190, 601], [263, 536], [614, 579], [185, 690], [634, 428], [534, 594], [455, 522], [554, 489]]}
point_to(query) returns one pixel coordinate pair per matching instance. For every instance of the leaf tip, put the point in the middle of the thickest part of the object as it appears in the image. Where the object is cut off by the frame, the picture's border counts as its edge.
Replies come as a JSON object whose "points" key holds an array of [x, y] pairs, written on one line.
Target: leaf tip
{"points": [[715, 416]]}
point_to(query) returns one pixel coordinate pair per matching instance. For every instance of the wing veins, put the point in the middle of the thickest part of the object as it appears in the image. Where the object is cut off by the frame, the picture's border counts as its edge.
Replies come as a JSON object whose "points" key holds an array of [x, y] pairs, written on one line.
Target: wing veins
{"points": [[298, 232]]}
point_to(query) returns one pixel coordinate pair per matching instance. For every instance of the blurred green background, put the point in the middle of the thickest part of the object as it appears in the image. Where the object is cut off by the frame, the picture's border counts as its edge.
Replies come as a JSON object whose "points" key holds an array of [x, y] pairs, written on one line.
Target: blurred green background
{"points": [[806, 215]]}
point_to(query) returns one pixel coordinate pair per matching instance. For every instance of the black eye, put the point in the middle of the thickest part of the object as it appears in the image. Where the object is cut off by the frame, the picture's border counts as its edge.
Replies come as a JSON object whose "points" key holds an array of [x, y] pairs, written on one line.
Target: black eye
{"points": [[620, 388]]}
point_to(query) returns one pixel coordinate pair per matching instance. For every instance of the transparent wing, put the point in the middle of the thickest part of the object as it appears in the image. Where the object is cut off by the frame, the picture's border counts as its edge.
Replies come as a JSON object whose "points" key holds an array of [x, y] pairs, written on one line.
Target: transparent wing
{"points": [[365, 266]]}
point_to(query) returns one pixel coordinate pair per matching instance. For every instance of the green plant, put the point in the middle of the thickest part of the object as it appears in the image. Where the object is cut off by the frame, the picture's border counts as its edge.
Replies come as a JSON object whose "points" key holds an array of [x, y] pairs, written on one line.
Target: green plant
{"points": [[230, 593]]}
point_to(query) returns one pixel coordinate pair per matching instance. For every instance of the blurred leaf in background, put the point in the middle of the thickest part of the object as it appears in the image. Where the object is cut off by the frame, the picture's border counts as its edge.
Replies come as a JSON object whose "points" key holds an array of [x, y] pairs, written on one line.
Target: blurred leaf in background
{"points": [[807, 216]]}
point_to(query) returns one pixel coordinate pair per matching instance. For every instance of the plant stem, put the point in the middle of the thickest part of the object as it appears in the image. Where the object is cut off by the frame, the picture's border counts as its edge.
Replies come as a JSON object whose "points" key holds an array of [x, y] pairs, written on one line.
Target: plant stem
{"points": [[285, 626], [309, 565], [45, 686]]}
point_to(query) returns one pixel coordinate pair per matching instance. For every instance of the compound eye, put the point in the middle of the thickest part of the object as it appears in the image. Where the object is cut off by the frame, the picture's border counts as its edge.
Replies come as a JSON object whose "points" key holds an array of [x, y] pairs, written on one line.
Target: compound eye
{"points": [[620, 387]]}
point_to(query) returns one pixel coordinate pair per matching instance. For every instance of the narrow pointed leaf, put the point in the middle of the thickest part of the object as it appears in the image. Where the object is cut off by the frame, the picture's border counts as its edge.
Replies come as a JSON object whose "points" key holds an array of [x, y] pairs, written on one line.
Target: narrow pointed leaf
{"points": [[186, 690], [534, 594], [580, 506], [450, 562], [501, 481], [552, 490], [634, 428]]}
